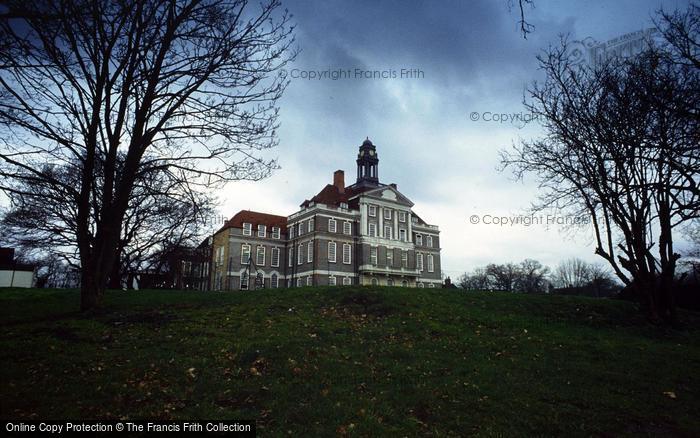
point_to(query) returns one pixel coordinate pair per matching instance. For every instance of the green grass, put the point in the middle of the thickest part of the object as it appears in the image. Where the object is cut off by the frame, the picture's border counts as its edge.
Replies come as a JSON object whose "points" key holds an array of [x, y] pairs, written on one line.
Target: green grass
{"points": [[357, 361]]}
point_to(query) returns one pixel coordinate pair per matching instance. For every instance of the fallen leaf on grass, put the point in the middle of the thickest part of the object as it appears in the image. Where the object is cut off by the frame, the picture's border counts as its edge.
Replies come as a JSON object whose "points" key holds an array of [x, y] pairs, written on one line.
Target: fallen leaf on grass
{"points": [[670, 394]]}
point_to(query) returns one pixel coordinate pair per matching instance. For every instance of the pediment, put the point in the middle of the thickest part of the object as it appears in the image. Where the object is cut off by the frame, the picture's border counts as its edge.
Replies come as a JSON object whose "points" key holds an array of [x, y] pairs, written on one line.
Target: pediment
{"points": [[389, 194]]}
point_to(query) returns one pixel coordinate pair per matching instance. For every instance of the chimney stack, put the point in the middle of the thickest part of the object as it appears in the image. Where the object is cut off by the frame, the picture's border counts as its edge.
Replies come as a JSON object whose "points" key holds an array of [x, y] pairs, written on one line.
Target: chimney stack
{"points": [[339, 180]]}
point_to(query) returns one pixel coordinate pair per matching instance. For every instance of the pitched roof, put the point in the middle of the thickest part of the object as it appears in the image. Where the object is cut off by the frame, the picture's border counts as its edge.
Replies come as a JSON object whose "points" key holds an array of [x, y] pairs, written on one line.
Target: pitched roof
{"points": [[255, 218], [330, 195]]}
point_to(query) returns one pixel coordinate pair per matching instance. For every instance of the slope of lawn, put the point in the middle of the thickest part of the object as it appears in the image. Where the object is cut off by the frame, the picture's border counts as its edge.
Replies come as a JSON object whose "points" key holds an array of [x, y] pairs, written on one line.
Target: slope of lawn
{"points": [[357, 361]]}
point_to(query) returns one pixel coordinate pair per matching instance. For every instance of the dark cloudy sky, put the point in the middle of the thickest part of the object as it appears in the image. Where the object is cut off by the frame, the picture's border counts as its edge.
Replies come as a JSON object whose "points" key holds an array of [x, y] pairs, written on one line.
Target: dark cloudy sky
{"points": [[473, 59]]}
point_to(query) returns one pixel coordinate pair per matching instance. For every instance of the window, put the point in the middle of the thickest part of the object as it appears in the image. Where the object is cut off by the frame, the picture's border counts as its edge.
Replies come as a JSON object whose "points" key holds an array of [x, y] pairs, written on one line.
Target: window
{"points": [[260, 258], [220, 255], [298, 282], [429, 241], [275, 262], [244, 281], [332, 225], [344, 205], [402, 235], [331, 252], [300, 230], [300, 257], [290, 231], [311, 225], [247, 229], [259, 281], [419, 261], [346, 281], [262, 230], [419, 239], [309, 280], [347, 228], [402, 216], [404, 283], [390, 258], [245, 254], [374, 282], [421, 285], [372, 229], [404, 259], [372, 210], [431, 264], [347, 253], [431, 285], [387, 213], [390, 282], [275, 232], [373, 255], [331, 280], [290, 257], [387, 231], [274, 281], [310, 251]]}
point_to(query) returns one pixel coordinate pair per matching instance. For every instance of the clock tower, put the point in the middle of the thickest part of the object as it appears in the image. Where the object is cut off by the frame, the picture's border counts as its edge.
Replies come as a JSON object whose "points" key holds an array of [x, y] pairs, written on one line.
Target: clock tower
{"points": [[367, 165]]}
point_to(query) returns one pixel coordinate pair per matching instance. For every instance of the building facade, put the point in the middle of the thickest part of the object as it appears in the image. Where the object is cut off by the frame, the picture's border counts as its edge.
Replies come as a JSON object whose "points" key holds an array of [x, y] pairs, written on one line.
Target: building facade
{"points": [[362, 234]]}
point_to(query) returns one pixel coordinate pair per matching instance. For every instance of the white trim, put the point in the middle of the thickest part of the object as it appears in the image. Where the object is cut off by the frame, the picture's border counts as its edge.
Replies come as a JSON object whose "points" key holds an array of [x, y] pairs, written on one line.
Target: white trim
{"points": [[249, 227], [272, 257], [257, 255], [264, 230], [276, 232], [349, 260], [332, 225], [310, 251], [335, 252], [347, 228], [245, 245], [324, 272]]}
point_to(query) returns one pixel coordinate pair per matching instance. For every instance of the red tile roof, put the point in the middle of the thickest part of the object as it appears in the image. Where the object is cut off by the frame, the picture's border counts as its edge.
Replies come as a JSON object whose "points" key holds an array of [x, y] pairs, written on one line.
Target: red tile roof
{"points": [[330, 195], [255, 218]]}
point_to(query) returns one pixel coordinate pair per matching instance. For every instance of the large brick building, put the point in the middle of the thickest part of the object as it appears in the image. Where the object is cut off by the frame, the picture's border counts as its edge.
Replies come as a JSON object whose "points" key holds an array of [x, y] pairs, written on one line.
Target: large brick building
{"points": [[365, 233]]}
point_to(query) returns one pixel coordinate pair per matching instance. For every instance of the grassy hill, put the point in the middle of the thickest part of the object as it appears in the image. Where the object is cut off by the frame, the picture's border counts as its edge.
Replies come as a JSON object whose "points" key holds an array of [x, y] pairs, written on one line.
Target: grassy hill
{"points": [[352, 361]]}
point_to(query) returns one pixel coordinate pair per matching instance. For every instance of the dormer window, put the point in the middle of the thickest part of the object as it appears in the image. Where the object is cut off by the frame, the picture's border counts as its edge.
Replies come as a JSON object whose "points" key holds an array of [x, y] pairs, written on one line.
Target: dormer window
{"points": [[344, 205], [262, 230], [275, 232], [247, 229]]}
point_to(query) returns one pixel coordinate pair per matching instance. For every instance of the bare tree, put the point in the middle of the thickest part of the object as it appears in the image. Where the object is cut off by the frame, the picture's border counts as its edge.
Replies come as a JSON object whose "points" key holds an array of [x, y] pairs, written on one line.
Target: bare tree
{"points": [[573, 272], [478, 279], [525, 26], [532, 277], [621, 145], [129, 87], [503, 277]]}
